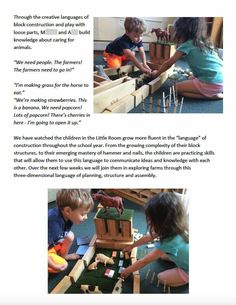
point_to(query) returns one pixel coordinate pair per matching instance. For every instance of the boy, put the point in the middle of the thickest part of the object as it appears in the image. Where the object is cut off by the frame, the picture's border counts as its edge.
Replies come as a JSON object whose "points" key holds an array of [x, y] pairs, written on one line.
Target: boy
{"points": [[121, 49], [73, 206]]}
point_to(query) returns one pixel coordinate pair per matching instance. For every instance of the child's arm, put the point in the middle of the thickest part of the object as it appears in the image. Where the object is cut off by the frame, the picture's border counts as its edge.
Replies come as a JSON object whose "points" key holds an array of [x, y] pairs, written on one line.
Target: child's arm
{"points": [[131, 56], [143, 57], [147, 259], [143, 240], [167, 64]]}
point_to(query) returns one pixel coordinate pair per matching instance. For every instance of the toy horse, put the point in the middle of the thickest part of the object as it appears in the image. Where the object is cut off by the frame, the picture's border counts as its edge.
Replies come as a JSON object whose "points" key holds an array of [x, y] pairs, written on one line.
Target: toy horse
{"points": [[162, 35], [108, 201]]}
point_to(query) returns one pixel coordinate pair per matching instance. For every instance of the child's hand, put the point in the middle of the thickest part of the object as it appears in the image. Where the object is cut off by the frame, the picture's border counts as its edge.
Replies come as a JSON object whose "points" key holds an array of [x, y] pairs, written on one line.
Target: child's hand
{"points": [[124, 274], [154, 74], [146, 70], [128, 249]]}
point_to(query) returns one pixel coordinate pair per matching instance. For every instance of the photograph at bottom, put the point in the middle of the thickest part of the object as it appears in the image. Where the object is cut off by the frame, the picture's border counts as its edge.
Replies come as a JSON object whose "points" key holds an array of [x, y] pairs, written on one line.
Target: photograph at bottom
{"points": [[118, 241]]}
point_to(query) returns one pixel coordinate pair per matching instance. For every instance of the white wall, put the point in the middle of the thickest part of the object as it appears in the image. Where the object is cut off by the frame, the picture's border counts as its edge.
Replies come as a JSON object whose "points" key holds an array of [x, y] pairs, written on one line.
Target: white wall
{"points": [[107, 29]]}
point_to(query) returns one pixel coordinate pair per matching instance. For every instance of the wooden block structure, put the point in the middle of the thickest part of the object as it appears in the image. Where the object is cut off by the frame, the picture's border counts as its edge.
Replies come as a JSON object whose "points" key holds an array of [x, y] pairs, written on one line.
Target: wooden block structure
{"points": [[113, 230], [120, 95], [161, 51]]}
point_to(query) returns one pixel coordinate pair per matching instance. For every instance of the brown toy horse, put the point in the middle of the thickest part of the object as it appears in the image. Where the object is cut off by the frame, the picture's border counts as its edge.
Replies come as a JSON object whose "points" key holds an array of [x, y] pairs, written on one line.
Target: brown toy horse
{"points": [[108, 201], [162, 35]]}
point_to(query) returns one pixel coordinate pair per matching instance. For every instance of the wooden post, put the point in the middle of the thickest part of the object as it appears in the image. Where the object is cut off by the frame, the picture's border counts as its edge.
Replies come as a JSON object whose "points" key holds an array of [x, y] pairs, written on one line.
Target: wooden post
{"points": [[150, 104]]}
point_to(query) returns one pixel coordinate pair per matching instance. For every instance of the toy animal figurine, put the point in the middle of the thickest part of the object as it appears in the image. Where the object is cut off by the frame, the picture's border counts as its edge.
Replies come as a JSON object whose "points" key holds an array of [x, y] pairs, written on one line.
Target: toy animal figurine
{"points": [[104, 259], [90, 289], [162, 35], [93, 266], [118, 286], [108, 201]]}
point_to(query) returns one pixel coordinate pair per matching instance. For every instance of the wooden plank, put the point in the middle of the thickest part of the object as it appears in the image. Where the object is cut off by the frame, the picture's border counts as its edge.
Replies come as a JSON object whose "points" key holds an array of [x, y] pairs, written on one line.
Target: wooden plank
{"points": [[113, 228], [142, 92], [109, 244], [104, 99], [133, 253], [136, 283], [88, 255], [122, 69], [62, 286], [92, 241], [124, 105], [159, 51], [96, 84], [118, 237], [126, 228], [109, 85], [98, 78], [155, 84], [100, 226], [77, 270], [152, 50]]}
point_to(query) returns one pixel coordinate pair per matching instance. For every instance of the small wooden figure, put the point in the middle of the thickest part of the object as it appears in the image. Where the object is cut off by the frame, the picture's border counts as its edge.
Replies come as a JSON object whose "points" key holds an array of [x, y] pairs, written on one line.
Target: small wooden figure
{"points": [[126, 255], [118, 286], [104, 259]]}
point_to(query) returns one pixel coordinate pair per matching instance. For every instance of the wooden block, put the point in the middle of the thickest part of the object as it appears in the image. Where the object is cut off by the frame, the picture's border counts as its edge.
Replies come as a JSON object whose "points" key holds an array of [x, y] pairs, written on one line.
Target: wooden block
{"points": [[136, 283], [100, 226], [113, 227], [62, 286], [126, 255], [123, 105], [77, 270], [88, 255], [133, 253], [166, 52], [92, 241], [142, 92], [126, 228], [109, 244], [98, 78], [110, 84], [96, 84], [104, 99], [152, 50], [154, 85], [159, 51], [122, 69], [118, 237], [169, 50], [106, 244]]}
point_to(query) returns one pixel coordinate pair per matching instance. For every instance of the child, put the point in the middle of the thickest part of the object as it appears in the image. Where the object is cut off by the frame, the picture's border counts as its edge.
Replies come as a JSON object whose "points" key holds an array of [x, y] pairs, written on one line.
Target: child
{"points": [[121, 49], [73, 206], [207, 67], [166, 221]]}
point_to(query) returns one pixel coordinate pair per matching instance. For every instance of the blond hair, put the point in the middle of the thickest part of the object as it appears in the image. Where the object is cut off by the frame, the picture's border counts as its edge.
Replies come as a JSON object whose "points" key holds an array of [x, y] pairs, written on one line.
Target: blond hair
{"points": [[74, 198], [134, 25]]}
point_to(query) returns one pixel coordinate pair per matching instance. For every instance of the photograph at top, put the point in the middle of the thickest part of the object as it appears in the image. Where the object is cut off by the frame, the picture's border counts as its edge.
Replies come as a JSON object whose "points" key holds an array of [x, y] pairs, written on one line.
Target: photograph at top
{"points": [[113, 241], [158, 65]]}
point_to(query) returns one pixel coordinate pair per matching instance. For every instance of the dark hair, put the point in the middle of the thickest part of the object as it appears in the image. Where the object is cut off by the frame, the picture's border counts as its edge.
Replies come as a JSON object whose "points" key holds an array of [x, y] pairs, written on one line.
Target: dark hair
{"points": [[194, 28], [166, 216]]}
